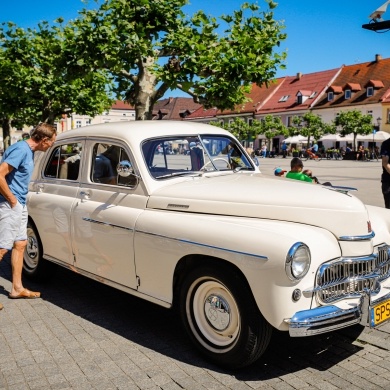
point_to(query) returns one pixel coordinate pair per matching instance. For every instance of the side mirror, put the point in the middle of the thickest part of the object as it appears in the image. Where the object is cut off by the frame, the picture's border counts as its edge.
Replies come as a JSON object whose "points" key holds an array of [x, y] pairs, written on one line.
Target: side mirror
{"points": [[125, 169]]}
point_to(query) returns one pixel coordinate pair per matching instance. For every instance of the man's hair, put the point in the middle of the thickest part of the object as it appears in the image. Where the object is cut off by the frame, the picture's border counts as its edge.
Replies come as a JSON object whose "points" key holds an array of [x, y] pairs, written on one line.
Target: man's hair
{"points": [[41, 131], [296, 162]]}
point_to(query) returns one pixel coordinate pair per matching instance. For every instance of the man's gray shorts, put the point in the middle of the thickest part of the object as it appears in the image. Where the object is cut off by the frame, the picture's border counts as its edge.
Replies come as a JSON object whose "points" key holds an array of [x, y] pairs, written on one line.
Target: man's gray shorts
{"points": [[13, 224]]}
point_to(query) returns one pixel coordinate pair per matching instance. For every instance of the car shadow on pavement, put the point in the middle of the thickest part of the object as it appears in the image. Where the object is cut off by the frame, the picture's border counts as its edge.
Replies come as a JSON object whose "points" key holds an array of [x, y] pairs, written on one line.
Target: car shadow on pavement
{"points": [[145, 325]]}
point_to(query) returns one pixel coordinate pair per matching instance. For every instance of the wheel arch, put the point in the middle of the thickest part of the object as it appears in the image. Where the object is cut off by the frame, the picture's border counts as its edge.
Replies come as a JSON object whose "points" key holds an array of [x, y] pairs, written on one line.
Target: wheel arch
{"points": [[190, 262]]}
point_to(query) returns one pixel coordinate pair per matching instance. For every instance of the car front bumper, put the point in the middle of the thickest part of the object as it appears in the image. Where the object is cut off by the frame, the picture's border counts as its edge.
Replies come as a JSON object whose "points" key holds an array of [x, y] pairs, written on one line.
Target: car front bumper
{"points": [[328, 318]]}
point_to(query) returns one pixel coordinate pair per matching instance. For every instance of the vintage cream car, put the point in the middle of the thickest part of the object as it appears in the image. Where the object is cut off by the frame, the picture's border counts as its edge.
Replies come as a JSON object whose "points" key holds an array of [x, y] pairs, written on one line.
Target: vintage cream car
{"points": [[178, 214]]}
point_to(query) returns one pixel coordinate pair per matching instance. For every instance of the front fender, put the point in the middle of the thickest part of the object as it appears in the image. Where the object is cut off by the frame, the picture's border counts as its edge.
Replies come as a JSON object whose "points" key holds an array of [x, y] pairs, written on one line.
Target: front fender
{"points": [[257, 247]]}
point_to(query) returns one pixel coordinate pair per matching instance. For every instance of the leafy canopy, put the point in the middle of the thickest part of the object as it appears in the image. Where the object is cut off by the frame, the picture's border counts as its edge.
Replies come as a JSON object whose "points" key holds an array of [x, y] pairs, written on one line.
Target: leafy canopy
{"points": [[152, 46], [354, 122], [310, 125], [43, 80]]}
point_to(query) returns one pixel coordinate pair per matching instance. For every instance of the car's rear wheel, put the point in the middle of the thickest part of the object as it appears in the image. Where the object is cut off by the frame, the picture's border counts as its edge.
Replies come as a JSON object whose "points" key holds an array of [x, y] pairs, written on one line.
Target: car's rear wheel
{"points": [[34, 266], [222, 319]]}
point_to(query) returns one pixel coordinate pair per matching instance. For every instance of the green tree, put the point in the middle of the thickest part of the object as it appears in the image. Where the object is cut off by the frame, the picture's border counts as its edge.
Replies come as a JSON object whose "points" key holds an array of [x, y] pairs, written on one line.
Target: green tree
{"points": [[238, 127], [12, 95], [46, 78], [310, 125], [354, 122], [270, 126], [151, 46]]}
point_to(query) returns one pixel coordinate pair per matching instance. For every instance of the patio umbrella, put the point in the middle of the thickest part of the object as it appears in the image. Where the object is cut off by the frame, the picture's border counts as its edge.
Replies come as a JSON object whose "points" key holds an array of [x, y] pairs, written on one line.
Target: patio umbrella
{"points": [[337, 138], [379, 136], [296, 139]]}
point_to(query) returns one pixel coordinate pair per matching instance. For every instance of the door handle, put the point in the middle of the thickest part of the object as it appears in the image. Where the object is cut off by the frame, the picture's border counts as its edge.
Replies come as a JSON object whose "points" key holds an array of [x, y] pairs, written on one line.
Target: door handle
{"points": [[85, 195]]}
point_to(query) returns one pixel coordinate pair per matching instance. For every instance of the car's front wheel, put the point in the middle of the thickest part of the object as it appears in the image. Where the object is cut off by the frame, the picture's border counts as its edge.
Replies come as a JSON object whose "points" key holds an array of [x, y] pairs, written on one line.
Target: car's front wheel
{"points": [[34, 266], [222, 319]]}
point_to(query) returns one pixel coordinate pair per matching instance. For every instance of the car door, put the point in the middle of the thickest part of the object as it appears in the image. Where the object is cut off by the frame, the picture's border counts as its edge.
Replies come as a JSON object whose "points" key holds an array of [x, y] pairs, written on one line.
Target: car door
{"points": [[105, 213], [52, 196]]}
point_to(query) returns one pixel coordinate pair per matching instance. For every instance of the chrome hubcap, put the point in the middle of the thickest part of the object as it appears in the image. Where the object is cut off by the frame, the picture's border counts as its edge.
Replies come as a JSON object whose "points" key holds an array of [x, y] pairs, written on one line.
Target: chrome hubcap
{"points": [[217, 312], [32, 248]]}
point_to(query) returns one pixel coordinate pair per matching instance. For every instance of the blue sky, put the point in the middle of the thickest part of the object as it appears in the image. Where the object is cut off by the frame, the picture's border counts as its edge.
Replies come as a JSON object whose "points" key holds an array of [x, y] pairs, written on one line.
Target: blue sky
{"points": [[321, 35]]}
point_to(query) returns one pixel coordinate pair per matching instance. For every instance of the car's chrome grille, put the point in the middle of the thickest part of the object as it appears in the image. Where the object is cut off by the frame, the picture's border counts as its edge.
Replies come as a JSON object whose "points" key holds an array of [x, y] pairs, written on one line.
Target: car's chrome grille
{"points": [[349, 277]]}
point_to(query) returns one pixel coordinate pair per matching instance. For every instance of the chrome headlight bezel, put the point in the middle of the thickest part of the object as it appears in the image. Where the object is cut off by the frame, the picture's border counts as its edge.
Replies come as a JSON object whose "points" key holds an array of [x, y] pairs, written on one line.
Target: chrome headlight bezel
{"points": [[298, 261]]}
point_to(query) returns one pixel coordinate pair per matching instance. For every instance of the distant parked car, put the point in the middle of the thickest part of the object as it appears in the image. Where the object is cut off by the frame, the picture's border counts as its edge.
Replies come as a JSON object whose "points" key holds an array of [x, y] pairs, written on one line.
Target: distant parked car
{"points": [[238, 253]]}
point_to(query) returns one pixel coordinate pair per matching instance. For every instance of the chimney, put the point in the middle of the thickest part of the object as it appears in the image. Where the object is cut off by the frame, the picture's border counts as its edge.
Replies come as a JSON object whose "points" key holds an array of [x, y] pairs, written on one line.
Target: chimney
{"points": [[378, 57], [299, 75], [170, 100]]}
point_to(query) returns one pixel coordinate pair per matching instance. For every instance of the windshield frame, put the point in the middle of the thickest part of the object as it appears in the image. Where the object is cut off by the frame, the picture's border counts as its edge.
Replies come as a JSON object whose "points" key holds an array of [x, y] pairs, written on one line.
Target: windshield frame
{"points": [[171, 156]]}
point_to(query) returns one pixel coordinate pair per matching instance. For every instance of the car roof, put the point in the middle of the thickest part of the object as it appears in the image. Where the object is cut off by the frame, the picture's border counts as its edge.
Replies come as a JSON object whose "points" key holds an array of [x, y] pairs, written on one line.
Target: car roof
{"points": [[137, 131]]}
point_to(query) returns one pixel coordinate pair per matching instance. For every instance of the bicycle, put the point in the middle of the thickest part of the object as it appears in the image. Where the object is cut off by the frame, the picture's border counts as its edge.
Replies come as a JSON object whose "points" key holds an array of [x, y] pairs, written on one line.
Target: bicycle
{"points": [[309, 155]]}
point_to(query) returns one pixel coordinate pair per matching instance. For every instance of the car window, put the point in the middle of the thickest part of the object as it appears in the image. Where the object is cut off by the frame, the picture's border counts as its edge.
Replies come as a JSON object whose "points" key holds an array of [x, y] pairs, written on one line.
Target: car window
{"points": [[169, 157], [105, 160], [64, 162]]}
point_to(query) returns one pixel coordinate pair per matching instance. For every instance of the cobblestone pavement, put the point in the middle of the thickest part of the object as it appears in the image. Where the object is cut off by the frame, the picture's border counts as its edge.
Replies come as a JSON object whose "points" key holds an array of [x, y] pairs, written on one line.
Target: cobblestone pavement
{"points": [[85, 335]]}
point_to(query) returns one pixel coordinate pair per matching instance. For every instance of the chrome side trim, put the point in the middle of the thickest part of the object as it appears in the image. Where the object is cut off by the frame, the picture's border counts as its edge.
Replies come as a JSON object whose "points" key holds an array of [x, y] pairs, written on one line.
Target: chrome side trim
{"points": [[366, 237], [328, 318], [107, 224], [178, 206], [183, 240]]}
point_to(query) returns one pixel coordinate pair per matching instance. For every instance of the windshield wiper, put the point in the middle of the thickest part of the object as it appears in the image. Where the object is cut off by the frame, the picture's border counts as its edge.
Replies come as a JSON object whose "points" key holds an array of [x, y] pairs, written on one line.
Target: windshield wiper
{"points": [[178, 174]]}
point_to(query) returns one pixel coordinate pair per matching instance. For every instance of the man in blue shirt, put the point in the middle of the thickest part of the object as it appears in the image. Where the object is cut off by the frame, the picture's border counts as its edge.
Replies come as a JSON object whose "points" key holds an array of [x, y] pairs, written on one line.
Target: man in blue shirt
{"points": [[15, 173]]}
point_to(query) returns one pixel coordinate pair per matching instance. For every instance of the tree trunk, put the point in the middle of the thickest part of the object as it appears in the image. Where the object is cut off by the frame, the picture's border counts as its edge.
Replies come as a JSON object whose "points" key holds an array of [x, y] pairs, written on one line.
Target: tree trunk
{"points": [[145, 92], [6, 126], [354, 142]]}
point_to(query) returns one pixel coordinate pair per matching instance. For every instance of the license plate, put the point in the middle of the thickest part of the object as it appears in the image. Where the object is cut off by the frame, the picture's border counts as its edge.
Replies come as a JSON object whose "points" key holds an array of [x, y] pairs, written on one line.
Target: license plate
{"points": [[380, 313]]}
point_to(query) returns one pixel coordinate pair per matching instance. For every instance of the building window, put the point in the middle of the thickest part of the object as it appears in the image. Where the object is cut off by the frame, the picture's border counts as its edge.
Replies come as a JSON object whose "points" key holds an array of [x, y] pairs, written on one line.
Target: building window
{"points": [[250, 121], [124, 114], [388, 116], [284, 98], [347, 94], [87, 122], [370, 91], [330, 96], [78, 124]]}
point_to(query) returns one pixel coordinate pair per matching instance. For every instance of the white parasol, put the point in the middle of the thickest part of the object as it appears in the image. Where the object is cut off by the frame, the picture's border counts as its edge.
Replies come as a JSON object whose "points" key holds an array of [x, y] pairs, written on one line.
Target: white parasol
{"points": [[296, 139], [379, 136]]}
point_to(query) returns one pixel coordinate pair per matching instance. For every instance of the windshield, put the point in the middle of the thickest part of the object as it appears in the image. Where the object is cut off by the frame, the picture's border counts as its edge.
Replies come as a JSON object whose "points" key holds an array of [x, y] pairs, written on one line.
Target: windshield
{"points": [[174, 156]]}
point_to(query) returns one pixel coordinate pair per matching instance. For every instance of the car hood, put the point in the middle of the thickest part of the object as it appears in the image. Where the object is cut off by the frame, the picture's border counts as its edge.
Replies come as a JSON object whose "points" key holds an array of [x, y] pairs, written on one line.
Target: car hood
{"points": [[257, 196]]}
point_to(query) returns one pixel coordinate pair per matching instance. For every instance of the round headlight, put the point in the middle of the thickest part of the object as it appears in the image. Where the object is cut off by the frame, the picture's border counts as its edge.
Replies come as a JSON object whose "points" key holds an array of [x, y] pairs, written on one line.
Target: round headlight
{"points": [[297, 261]]}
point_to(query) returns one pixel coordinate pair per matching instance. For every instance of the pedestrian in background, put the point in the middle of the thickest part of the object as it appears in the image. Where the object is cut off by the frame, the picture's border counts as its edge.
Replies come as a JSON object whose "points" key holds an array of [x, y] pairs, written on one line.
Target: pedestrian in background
{"points": [[15, 172], [385, 155], [284, 149]]}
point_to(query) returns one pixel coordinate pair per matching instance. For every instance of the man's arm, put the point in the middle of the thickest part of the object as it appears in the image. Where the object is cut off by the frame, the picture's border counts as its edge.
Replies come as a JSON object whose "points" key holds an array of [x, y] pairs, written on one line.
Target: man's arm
{"points": [[385, 163], [6, 169]]}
